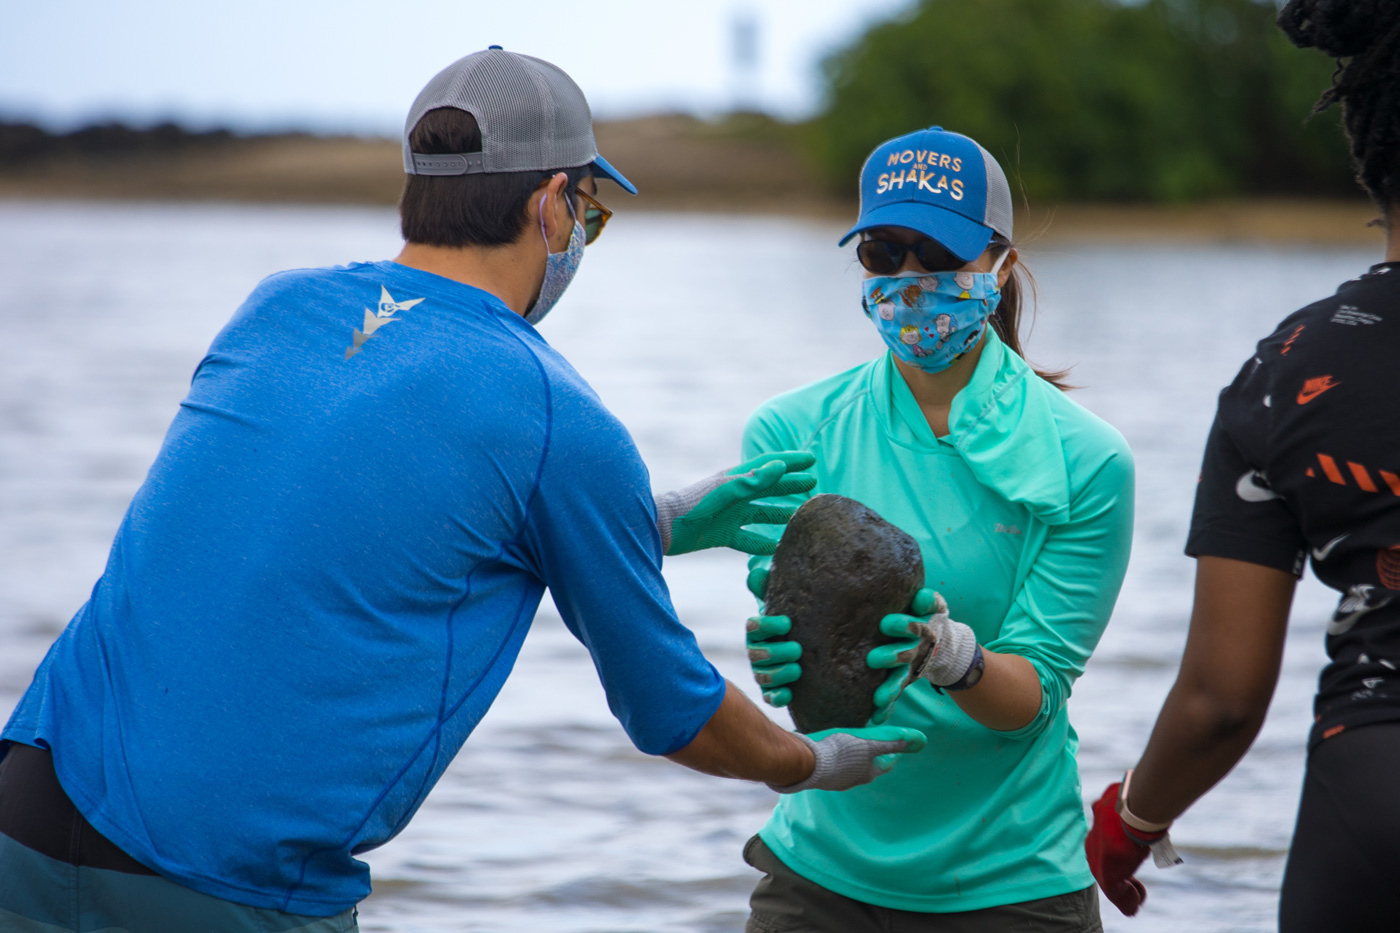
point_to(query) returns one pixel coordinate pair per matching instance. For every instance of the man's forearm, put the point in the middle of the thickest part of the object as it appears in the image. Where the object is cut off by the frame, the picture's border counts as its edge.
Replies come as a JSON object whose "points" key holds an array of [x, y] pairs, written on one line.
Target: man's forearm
{"points": [[741, 742]]}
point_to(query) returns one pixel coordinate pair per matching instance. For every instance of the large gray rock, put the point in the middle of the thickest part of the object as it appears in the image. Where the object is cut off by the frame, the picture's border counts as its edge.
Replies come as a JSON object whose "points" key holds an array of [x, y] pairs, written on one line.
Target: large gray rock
{"points": [[838, 570]]}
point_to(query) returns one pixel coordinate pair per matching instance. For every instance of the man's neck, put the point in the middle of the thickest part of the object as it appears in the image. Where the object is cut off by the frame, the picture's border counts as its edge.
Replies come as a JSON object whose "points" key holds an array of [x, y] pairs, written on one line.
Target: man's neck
{"points": [[512, 273]]}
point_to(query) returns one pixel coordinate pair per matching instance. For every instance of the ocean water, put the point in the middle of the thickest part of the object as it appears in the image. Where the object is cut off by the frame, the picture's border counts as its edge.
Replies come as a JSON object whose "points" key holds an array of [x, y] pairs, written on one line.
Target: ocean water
{"points": [[549, 820]]}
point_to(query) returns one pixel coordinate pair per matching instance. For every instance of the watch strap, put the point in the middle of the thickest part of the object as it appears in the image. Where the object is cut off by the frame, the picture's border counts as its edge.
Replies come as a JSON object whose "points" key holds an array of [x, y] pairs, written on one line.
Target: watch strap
{"points": [[1131, 819], [974, 672]]}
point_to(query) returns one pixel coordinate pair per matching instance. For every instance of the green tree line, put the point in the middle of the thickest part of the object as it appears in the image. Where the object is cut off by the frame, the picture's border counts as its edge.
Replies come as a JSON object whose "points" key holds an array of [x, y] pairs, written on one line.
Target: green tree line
{"points": [[1163, 100]]}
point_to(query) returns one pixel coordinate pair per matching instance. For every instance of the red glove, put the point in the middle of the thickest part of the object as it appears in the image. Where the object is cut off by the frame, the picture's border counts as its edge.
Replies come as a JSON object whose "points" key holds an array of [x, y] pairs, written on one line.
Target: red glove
{"points": [[1115, 852]]}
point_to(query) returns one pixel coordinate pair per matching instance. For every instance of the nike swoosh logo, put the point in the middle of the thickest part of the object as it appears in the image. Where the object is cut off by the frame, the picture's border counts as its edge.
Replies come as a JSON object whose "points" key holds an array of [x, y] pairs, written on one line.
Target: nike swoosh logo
{"points": [[1249, 489], [1342, 625], [1315, 387], [1321, 553]]}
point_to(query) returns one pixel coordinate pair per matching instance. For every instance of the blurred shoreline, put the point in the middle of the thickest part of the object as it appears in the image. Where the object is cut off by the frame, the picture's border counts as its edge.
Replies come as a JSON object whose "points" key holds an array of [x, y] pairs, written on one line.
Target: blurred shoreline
{"points": [[744, 163]]}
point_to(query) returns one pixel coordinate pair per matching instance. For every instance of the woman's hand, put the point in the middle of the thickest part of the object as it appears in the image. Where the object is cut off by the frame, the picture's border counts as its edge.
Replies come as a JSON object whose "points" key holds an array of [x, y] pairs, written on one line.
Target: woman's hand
{"points": [[930, 645], [774, 662], [905, 656]]}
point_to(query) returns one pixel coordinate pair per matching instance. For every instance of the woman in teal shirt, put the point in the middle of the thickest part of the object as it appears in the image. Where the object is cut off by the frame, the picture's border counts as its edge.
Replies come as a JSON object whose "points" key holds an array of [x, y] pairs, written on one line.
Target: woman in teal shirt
{"points": [[1022, 503]]}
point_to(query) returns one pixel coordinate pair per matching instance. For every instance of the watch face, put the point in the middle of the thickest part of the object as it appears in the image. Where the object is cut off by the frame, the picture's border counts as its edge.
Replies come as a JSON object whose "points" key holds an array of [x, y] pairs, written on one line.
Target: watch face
{"points": [[974, 673]]}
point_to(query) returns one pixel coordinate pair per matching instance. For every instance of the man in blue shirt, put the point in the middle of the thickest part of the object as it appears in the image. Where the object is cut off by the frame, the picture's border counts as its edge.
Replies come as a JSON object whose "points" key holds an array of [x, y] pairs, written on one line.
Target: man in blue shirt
{"points": [[328, 573]]}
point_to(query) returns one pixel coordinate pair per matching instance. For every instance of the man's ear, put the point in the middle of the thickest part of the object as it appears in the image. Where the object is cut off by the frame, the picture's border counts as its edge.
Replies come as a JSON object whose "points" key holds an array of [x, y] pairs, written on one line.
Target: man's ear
{"points": [[558, 222]]}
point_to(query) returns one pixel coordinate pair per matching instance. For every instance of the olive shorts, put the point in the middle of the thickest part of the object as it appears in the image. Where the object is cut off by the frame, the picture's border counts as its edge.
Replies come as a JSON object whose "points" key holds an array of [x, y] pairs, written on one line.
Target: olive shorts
{"points": [[786, 902]]}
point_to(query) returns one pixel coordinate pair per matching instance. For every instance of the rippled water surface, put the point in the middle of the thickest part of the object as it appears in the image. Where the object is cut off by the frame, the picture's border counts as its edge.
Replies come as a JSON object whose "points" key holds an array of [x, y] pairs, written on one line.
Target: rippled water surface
{"points": [[548, 820]]}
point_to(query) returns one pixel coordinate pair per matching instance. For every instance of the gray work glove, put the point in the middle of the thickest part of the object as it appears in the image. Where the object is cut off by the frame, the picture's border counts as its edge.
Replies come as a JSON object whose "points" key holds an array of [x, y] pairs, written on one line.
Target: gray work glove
{"points": [[932, 646], [847, 758], [712, 512]]}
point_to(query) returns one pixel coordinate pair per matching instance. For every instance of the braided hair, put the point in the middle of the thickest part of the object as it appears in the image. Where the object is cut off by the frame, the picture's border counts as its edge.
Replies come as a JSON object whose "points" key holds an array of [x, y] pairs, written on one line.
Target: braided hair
{"points": [[1364, 35]]}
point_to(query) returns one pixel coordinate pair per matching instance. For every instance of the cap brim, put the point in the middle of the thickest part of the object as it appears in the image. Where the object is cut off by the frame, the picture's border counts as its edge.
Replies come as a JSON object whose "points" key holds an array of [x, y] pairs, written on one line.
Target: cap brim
{"points": [[602, 167], [965, 239]]}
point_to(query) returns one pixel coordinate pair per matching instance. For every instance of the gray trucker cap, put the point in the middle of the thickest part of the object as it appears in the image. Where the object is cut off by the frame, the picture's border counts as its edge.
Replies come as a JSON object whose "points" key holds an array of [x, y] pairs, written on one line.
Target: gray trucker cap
{"points": [[532, 116]]}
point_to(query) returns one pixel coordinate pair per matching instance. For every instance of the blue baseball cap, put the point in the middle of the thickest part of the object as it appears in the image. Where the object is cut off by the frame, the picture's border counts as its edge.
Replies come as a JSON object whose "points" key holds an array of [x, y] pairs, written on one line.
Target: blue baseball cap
{"points": [[942, 184]]}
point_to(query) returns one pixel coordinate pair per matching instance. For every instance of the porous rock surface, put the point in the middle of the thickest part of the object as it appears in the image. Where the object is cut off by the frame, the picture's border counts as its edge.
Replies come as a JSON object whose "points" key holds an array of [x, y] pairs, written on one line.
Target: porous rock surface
{"points": [[838, 570]]}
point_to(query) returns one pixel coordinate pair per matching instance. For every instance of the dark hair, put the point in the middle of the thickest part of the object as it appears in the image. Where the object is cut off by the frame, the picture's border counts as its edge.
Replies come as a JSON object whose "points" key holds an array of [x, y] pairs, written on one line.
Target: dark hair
{"points": [[1007, 318], [466, 210], [1364, 35]]}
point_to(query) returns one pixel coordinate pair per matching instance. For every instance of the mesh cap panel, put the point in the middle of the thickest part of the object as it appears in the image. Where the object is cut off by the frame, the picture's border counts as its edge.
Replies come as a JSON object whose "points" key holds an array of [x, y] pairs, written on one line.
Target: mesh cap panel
{"points": [[531, 114], [998, 196]]}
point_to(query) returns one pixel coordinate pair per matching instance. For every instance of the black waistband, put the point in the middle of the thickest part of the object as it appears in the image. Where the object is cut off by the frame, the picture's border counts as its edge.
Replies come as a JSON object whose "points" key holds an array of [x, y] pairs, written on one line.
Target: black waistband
{"points": [[36, 813]]}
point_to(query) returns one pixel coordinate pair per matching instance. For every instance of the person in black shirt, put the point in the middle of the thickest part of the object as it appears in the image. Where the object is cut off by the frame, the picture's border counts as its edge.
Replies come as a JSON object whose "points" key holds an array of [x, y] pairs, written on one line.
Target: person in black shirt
{"points": [[1303, 460]]}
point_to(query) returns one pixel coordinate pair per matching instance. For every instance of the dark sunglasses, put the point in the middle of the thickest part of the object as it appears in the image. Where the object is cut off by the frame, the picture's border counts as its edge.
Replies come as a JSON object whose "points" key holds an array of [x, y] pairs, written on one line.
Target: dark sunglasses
{"points": [[595, 217], [885, 257]]}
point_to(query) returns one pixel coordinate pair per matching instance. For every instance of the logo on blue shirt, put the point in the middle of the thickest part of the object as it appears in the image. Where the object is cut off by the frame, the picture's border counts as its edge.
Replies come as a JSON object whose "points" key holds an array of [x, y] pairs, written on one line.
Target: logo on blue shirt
{"points": [[378, 318]]}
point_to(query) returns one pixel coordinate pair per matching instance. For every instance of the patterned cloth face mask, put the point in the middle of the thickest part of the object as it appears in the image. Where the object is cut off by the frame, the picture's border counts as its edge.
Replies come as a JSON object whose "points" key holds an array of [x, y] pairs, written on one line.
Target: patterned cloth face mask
{"points": [[931, 319], [559, 268]]}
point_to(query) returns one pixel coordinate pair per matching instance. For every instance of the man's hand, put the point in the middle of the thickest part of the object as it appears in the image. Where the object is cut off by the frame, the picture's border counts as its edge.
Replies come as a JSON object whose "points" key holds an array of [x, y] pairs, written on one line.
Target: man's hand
{"points": [[774, 662], [714, 511], [1115, 852], [847, 758], [740, 741], [931, 645]]}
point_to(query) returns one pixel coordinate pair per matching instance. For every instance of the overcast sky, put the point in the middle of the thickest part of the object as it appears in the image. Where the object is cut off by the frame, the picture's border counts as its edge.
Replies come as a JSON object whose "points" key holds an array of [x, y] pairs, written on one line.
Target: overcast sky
{"points": [[332, 65]]}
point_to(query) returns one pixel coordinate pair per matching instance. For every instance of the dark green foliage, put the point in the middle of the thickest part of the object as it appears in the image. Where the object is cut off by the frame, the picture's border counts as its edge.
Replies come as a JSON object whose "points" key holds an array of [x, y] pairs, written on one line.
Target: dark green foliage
{"points": [[22, 143], [1164, 100], [1364, 35]]}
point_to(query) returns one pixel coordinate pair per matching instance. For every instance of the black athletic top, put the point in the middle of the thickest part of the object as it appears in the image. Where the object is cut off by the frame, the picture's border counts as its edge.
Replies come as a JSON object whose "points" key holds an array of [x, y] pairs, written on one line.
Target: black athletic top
{"points": [[1304, 457]]}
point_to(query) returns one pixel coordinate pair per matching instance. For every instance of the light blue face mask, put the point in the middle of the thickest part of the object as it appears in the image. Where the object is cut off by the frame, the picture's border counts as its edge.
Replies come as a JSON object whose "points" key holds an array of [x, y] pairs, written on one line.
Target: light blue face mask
{"points": [[559, 268], [931, 319]]}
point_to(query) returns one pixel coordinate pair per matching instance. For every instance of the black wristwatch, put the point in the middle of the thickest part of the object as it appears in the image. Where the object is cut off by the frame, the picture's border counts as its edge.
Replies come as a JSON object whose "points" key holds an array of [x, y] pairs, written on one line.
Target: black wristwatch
{"points": [[974, 672]]}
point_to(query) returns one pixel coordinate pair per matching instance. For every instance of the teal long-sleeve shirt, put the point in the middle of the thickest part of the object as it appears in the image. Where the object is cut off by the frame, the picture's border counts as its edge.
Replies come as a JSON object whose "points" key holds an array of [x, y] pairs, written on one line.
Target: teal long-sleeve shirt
{"points": [[1024, 514]]}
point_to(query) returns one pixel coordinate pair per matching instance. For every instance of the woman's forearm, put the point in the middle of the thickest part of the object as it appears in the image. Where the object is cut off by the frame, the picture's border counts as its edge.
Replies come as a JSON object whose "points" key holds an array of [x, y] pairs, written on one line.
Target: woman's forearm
{"points": [[1194, 744], [1008, 695], [1227, 677]]}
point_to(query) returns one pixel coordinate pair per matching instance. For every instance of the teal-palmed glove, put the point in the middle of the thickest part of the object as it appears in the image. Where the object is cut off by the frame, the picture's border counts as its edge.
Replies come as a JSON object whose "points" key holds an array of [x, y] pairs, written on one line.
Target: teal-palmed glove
{"points": [[931, 646], [847, 758], [773, 659], [714, 511]]}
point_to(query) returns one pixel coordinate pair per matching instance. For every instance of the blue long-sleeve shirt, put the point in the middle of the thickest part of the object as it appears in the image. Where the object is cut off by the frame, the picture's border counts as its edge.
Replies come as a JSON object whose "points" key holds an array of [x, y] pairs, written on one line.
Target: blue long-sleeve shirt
{"points": [[327, 575]]}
